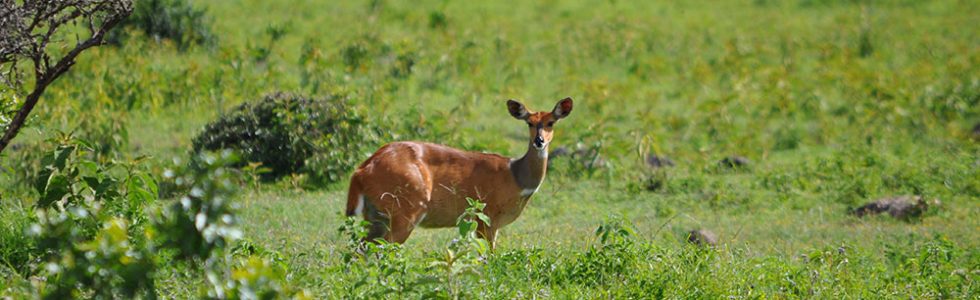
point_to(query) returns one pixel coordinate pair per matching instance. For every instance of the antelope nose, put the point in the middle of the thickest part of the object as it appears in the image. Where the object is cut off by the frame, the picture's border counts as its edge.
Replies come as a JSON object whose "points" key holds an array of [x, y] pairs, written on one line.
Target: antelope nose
{"points": [[538, 141]]}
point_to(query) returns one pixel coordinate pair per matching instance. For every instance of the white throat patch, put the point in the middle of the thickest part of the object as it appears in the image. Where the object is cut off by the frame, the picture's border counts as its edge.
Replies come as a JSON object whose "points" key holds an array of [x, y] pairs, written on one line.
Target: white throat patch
{"points": [[543, 152], [528, 192]]}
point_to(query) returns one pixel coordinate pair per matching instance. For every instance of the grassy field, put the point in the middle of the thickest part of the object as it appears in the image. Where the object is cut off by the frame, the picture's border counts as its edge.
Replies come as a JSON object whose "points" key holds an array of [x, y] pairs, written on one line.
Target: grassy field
{"points": [[835, 103]]}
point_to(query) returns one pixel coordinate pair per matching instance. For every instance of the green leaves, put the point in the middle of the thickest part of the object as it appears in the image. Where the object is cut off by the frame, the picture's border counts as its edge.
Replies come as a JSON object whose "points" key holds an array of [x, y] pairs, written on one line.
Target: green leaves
{"points": [[467, 222], [615, 229], [203, 219], [70, 177], [466, 227], [108, 265], [56, 187]]}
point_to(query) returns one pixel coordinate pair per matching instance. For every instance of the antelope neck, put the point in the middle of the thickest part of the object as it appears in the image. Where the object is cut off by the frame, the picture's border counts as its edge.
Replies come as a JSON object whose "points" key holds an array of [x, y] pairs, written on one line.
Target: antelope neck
{"points": [[529, 170]]}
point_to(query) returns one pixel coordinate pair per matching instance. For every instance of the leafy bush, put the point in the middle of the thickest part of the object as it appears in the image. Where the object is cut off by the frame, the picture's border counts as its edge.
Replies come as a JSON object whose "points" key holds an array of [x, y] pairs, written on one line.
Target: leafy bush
{"points": [[111, 265], [91, 238], [70, 178], [77, 194], [176, 20], [203, 220], [88, 217], [320, 137], [202, 224]]}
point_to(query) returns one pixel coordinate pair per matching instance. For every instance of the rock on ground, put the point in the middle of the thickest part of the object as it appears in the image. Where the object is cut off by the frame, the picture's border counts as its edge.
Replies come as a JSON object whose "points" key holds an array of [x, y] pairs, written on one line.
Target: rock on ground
{"points": [[734, 161], [901, 207], [656, 161], [702, 237]]}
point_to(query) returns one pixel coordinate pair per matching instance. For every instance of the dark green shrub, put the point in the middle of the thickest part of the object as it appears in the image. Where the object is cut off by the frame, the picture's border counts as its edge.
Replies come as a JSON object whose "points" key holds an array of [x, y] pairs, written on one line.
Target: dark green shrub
{"points": [[321, 137], [175, 20]]}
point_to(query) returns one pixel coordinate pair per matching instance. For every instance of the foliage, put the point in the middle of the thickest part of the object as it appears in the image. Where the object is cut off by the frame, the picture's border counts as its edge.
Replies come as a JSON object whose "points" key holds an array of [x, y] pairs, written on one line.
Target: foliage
{"points": [[254, 278], [837, 102], [603, 263], [70, 179], [81, 206], [321, 137], [90, 217], [175, 20], [464, 256], [16, 248], [91, 236], [110, 265], [377, 268], [202, 224], [203, 219]]}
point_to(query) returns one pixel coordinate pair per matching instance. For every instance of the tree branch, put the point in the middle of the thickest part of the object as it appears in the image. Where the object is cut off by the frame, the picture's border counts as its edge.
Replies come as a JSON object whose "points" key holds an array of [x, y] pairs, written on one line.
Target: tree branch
{"points": [[49, 14]]}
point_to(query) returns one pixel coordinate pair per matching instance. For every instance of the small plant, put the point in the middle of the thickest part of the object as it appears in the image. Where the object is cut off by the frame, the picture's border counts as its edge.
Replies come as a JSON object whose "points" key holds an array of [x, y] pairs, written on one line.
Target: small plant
{"points": [[865, 47], [354, 55], [601, 264], [438, 20], [381, 268], [404, 61], [252, 173], [466, 254], [275, 32], [312, 67], [354, 230], [615, 230]]}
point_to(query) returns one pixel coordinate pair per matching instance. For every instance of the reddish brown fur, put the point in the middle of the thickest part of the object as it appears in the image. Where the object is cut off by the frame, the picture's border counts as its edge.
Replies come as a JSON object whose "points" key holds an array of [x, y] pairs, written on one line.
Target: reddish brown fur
{"points": [[409, 183]]}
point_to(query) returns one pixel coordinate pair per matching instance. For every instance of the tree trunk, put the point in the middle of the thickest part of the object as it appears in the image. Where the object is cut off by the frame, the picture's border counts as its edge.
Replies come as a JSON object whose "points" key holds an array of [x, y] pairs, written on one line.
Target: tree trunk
{"points": [[21, 116]]}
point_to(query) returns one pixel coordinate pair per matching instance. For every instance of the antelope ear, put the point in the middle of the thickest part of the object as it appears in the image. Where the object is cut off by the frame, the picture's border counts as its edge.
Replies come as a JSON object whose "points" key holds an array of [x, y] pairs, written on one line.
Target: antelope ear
{"points": [[563, 108], [517, 110]]}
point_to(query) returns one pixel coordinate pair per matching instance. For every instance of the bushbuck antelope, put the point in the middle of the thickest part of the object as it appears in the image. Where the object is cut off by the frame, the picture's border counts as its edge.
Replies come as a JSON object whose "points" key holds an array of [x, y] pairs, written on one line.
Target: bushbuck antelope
{"points": [[409, 184]]}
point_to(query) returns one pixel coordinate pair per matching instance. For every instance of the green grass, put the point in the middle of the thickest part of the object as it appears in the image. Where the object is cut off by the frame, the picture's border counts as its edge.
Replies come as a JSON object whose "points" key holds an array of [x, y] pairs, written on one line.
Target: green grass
{"points": [[783, 83]]}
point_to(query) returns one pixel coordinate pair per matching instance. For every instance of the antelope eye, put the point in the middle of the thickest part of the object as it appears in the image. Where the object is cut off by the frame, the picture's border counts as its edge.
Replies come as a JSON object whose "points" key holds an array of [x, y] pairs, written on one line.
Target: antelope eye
{"points": [[552, 123], [530, 125]]}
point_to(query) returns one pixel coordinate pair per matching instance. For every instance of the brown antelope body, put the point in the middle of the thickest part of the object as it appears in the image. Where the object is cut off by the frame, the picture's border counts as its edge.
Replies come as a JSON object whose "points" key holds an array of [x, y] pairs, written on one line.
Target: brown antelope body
{"points": [[409, 184]]}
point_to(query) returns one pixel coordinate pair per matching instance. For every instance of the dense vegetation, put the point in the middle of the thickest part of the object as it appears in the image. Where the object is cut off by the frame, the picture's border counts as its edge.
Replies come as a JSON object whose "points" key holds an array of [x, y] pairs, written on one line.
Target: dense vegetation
{"points": [[829, 104]]}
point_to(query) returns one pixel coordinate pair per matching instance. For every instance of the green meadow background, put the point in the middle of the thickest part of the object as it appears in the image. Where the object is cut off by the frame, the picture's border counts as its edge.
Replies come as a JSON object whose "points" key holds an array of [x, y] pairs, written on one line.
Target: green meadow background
{"points": [[835, 103]]}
